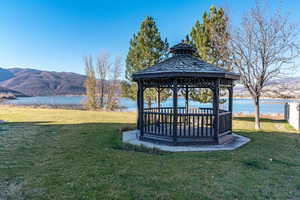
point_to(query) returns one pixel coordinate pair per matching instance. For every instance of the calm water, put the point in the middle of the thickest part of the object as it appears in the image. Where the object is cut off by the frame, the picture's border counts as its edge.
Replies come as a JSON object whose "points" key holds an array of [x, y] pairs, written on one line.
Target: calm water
{"points": [[268, 106]]}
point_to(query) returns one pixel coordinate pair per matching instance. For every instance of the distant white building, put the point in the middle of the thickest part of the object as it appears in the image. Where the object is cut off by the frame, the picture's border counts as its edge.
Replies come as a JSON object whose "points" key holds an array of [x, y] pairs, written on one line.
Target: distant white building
{"points": [[292, 114]]}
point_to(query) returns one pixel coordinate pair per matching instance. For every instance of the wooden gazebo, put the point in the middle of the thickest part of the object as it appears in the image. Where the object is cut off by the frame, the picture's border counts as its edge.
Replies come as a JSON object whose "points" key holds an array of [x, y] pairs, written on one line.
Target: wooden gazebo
{"points": [[184, 125]]}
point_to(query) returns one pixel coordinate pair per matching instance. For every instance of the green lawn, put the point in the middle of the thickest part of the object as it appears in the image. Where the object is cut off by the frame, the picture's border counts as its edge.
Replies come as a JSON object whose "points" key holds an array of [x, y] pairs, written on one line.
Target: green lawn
{"points": [[68, 154]]}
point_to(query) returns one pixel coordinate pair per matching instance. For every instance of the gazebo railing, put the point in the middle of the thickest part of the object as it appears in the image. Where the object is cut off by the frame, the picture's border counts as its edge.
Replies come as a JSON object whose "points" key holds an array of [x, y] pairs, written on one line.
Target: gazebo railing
{"points": [[194, 122], [225, 120], [191, 123]]}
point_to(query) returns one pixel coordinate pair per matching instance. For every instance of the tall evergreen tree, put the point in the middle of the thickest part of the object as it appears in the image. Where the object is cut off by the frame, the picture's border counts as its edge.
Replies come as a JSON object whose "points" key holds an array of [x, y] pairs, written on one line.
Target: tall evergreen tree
{"points": [[211, 38], [146, 49]]}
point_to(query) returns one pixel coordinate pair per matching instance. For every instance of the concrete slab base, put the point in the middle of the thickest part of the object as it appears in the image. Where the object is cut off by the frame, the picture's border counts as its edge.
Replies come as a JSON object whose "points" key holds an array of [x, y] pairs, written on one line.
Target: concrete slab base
{"points": [[131, 137]]}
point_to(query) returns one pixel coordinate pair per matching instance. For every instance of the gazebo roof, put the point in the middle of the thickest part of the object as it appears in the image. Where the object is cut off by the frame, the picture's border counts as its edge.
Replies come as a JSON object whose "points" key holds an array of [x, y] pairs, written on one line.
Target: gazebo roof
{"points": [[184, 64]]}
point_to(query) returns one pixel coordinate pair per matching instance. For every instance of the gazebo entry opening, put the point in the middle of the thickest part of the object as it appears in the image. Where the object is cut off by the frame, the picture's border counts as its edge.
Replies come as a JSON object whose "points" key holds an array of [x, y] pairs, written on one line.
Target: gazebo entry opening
{"points": [[178, 125]]}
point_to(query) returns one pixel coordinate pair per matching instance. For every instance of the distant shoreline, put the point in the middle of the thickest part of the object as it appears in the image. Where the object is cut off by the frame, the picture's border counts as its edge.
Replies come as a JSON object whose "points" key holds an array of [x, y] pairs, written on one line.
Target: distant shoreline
{"points": [[52, 106], [271, 98], [239, 97], [241, 105], [69, 107], [60, 106]]}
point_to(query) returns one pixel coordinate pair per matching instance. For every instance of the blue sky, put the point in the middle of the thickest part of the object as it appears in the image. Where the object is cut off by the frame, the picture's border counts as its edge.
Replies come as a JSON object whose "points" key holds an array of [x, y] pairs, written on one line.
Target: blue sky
{"points": [[55, 35]]}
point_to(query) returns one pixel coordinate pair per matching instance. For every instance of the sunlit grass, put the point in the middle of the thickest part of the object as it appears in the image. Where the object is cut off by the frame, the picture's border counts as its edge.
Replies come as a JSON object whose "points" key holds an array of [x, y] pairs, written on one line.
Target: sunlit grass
{"points": [[72, 154]]}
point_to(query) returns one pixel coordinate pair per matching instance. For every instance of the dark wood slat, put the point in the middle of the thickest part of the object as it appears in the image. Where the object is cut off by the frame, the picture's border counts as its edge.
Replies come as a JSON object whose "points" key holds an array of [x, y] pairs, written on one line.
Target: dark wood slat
{"points": [[189, 126], [206, 122], [180, 125], [198, 126], [155, 124], [166, 124], [194, 127], [158, 124], [202, 125], [210, 126]]}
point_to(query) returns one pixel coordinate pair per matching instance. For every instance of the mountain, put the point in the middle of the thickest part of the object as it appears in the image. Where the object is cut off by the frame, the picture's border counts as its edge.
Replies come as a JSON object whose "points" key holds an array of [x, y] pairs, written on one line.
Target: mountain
{"points": [[280, 88], [34, 82], [5, 74], [9, 91]]}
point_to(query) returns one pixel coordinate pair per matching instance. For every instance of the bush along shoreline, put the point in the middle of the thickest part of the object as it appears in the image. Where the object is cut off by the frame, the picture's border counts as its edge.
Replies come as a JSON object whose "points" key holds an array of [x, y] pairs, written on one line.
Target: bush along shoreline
{"points": [[4, 96]]}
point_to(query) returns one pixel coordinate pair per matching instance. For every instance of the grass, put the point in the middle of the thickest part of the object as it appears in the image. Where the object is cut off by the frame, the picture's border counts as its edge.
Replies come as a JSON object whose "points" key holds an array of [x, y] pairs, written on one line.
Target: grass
{"points": [[69, 154]]}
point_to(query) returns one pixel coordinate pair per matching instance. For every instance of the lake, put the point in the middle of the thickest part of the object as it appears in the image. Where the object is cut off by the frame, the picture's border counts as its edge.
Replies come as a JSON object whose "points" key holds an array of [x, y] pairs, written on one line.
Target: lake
{"points": [[268, 106]]}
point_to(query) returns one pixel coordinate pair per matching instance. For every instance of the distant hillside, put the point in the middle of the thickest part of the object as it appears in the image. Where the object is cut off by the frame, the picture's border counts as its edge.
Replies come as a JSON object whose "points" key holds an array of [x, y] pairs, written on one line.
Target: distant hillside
{"points": [[15, 93], [281, 88], [33, 82], [5, 74]]}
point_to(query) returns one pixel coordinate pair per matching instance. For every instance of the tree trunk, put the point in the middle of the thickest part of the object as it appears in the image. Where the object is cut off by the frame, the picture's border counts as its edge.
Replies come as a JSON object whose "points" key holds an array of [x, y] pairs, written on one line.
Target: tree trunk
{"points": [[102, 96], [158, 98], [149, 104], [257, 112]]}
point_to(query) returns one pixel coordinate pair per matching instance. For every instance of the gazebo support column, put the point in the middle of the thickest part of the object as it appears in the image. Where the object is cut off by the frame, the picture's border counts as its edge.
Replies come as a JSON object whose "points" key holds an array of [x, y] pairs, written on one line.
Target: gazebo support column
{"points": [[230, 90], [138, 106], [175, 113], [158, 97], [187, 98], [216, 109], [140, 98]]}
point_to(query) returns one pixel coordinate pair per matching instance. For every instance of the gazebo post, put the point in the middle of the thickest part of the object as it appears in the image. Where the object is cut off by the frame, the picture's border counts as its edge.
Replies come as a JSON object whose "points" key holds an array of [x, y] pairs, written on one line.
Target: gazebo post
{"points": [[216, 109], [230, 89], [138, 105], [175, 111], [140, 98], [158, 98], [186, 98]]}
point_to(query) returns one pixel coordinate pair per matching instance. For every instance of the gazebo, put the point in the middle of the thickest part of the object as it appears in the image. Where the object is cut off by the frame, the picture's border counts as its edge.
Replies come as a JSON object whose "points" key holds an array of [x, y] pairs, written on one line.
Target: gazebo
{"points": [[185, 125]]}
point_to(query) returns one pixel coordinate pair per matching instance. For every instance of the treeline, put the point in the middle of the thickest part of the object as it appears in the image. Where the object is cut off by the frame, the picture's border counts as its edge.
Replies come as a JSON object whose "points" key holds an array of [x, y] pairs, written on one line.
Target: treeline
{"points": [[262, 48], [210, 37], [147, 48], [8, 95]]}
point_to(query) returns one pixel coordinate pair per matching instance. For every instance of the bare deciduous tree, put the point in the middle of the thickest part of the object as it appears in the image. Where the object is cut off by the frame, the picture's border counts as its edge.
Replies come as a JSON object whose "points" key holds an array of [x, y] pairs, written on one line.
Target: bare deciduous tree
{"points": [[90, 84], [103, 86], [103, 68], [113, 92], [263, 48]]}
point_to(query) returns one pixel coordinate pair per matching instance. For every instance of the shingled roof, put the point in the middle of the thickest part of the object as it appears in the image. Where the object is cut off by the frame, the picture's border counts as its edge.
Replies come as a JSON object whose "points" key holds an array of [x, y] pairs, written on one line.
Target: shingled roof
{"points": [[184, 64]]}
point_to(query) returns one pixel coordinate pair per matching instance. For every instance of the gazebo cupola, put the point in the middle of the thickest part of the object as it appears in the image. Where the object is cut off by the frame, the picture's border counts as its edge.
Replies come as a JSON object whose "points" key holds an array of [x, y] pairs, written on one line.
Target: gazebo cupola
{"points": [[185, 125]]}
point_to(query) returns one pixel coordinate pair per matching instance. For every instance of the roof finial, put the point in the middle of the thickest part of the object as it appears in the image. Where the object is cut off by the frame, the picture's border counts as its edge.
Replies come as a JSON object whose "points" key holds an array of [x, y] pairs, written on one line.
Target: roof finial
{"points": [[183, 48]]}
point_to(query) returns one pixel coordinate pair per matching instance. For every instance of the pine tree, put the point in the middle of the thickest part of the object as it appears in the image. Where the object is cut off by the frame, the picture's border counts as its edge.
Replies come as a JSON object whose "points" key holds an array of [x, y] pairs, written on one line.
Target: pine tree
{"points": [[187, 40], [211, 38], [146, 49]]}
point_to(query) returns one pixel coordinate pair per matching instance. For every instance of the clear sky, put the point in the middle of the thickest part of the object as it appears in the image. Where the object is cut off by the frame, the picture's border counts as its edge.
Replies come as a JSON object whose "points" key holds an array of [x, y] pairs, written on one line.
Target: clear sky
{"points": [[55, 35]]}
